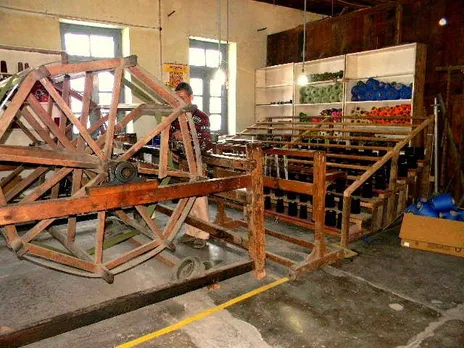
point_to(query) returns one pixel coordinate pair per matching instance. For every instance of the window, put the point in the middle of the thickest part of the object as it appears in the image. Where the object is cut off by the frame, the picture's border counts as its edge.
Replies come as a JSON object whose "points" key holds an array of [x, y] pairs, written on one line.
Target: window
{"points": [[83, 43], [208, 95]]}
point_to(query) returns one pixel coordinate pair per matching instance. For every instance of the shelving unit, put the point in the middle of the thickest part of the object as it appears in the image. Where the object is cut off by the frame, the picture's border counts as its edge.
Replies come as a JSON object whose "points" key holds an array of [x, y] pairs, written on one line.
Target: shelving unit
{"points": [[403, 64]]}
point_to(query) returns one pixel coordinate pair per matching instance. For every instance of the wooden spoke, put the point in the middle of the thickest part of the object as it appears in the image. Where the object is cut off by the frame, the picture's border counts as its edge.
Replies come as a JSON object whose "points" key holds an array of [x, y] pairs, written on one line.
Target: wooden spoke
{"points": [[108, 149], [74, 120], [16, 103], [100, 237], [48, 121], [30, 118], [65, 178]]}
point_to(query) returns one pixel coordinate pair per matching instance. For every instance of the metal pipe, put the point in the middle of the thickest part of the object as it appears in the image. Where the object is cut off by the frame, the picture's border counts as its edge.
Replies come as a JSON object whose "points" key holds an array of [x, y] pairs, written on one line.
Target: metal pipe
{"points": [[435, 113]]}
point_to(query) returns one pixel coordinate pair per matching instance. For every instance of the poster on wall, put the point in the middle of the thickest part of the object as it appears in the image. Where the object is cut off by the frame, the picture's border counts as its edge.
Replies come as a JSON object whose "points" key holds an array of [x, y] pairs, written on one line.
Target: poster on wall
{"points": [[174, 73]]}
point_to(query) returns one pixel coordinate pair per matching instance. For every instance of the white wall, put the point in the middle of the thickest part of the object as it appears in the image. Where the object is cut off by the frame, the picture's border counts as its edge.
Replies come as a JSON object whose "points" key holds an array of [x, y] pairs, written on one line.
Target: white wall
{"points": [[196, 18]]}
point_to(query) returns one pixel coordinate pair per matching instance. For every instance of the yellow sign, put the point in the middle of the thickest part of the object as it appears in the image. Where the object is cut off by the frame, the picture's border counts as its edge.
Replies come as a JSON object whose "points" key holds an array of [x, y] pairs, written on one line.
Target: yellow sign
{"points": [[173, 74]]}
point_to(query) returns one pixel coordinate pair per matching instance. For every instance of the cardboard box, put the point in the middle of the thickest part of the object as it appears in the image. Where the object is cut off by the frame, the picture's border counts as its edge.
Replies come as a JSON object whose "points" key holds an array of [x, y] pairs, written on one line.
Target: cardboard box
{"points": [[431, 234]]}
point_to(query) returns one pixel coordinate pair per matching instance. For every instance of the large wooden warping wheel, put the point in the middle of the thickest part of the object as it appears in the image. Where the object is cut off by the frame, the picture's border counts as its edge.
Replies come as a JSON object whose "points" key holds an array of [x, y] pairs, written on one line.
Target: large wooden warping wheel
{"points": [[85, 159]]}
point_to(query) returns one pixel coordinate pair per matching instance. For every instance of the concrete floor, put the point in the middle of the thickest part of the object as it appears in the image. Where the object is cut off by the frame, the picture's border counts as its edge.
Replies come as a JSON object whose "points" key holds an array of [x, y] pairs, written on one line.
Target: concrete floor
{"points": [[387, 296]]}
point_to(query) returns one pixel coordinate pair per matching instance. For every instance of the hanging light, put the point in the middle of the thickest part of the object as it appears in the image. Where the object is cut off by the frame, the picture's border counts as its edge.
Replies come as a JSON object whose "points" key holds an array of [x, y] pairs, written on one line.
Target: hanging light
{"points": [[220, 76], [303, 78]]}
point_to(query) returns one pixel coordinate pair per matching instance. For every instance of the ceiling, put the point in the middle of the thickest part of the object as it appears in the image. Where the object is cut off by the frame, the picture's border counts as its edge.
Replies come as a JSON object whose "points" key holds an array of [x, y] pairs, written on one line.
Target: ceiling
{"points": [[325, 6]]}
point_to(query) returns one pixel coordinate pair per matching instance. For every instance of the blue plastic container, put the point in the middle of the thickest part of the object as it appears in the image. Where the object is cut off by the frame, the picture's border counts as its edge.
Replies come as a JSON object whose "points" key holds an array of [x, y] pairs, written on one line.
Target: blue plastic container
{"points": [[426, 209], [451, 215], [443, 203]]}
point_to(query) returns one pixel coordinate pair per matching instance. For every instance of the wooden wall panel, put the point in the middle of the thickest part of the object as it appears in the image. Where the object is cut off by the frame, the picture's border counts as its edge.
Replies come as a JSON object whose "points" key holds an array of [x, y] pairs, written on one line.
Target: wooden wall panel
{"points": [[388, 25]]}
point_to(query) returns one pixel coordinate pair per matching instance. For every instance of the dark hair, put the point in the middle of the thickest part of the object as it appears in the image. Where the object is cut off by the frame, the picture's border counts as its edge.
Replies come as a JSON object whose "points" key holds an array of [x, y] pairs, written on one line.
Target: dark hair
{"points": [[186, 87]]}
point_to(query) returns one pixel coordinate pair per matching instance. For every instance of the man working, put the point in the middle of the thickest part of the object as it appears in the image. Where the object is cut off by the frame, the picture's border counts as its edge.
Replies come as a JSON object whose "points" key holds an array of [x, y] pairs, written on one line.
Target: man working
{"points": [[201, 120]]}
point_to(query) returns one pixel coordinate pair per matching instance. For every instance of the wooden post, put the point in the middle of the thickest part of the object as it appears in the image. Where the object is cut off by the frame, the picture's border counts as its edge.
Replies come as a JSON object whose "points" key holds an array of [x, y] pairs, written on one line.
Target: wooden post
{"points": [[392, 187], [255, 200], [424, 188], [419, 85], [399, 20], [319, 190], [100, 237], [346, 219]]}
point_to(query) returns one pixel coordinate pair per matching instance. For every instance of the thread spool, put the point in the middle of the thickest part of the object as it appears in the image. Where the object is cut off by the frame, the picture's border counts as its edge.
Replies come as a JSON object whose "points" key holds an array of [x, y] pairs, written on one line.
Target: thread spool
{"points": [[412, 209], [340, 185], [368, 152], [426, 209], [381, 94], [403, 170], [451, 215], [339, 220], [291, 195], [461, 213], [329, 201], [444, 202], [303, 211], [392, 93], [292, 209], [371, 82], [280, 208], [404, 92], [266, 190], [409, 151], [267, 203], [331, 218], [303, 198], [366, 190], [370, 94], [420, 153], [340, 203], [411, 162], [355, 206], [279, 193]]}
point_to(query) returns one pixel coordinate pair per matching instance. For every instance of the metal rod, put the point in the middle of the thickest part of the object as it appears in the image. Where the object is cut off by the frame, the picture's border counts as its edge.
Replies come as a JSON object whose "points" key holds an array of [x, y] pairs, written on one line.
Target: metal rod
{"points": [[435, 113], [304, 37]]}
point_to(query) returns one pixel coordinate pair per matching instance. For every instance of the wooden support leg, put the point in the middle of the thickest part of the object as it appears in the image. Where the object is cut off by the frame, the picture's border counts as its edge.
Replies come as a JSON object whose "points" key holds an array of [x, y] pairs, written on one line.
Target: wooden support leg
{"points": [[346, 220], [319, 202], [384, 198], [392, 188], [256, 231], [319, 255], [425, 179], [100, 237], [11, 235], [221, 217]]}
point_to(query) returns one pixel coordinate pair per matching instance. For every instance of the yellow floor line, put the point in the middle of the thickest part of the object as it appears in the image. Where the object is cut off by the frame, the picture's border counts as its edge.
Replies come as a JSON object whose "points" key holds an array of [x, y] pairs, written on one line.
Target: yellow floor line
{"points": [[202, 315]]}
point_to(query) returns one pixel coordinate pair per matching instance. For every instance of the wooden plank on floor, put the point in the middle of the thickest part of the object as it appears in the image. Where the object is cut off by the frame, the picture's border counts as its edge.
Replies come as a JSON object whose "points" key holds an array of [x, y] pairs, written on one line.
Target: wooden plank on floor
{"points": [[105, 310]]}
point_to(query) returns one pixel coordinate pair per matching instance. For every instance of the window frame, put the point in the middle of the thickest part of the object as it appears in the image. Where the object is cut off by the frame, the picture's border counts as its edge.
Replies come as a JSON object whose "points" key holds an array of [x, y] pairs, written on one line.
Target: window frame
{"points": [[115, 33], [85, 29], [206, 73]]}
